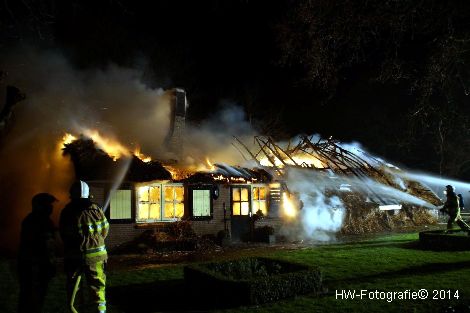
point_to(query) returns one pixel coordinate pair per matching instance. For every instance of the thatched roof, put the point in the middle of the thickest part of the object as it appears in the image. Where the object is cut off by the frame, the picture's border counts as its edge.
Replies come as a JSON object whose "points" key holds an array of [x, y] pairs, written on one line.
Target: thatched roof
{"points": [[92, 163]]}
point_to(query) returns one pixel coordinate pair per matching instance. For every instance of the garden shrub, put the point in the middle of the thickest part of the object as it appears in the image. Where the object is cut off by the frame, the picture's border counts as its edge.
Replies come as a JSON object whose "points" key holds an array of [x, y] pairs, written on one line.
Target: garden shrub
{"points": [[251, 280]]}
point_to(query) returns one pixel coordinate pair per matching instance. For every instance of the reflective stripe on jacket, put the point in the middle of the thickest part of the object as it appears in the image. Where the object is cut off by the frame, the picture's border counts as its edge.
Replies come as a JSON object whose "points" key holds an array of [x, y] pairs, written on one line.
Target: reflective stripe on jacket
{"points": [[83, 227]]}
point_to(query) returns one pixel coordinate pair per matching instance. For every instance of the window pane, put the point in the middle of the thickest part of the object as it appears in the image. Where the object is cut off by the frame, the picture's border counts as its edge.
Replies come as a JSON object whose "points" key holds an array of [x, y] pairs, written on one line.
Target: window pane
{"points": [[236, 194], [143, 211], [236, 208], [255, 194], [155, 211], [263, 207], [169, 211], [255, 206], [201, 203], [155, 194], [245, 208], [262, 193], [143, 194], [169, 193], [244, 195], [179, 210], [179, 193], [120, 205]]}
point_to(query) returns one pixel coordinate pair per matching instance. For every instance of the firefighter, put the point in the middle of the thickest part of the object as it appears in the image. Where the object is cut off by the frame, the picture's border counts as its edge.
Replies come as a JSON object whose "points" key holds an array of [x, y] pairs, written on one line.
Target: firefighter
{"points": [[452, 208], [83, 228], [461, 203], [36, 257]]}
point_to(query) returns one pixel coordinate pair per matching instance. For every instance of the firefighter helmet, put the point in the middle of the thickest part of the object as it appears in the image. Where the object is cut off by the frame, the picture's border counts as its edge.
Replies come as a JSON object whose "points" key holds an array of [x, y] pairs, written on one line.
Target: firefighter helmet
{"points": [[450, 188], [79, 189]]}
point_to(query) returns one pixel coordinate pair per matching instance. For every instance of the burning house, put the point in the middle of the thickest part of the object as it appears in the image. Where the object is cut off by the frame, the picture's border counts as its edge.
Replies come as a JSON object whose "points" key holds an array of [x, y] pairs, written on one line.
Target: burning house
{"points": [[139, 193]]}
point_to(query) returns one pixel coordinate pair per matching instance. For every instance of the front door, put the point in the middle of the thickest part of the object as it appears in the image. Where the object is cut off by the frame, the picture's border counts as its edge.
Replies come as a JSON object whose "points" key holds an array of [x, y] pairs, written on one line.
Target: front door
{"points": [[241, 213]]}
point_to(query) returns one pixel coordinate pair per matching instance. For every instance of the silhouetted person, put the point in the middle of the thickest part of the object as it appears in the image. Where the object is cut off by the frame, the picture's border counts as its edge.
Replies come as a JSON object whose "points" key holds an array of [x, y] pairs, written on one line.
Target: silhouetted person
{"points": [[461, 203], [36, 255]]}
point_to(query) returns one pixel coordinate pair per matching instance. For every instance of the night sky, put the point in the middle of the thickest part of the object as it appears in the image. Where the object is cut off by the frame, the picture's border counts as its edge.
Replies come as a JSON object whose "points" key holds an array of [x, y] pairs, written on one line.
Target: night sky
{"points": [[392, 75]]}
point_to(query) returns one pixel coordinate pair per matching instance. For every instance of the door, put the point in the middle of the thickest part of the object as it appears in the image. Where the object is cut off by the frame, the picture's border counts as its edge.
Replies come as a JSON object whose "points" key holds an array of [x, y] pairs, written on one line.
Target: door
{"points": [[241, 213]]}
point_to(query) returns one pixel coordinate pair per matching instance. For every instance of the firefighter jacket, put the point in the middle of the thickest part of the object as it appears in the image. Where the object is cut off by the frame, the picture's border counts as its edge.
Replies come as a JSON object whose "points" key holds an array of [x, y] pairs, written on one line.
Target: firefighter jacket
{"points": [[83, 228], [452, 204]]}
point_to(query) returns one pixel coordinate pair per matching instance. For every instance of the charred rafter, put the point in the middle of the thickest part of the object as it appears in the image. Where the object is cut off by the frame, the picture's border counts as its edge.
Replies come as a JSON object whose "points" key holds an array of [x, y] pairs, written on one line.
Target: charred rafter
{"points": [[327, 152]]}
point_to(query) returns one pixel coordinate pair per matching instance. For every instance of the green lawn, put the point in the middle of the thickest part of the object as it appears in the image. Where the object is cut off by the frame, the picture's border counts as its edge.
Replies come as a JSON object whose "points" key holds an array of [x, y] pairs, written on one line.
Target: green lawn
{"points": [[390, 263]]}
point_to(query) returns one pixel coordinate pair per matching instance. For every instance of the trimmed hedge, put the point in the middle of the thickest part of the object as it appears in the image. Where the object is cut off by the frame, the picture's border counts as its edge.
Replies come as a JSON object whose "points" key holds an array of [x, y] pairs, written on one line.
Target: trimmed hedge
{"points": [[250, 281], [441, 240]]}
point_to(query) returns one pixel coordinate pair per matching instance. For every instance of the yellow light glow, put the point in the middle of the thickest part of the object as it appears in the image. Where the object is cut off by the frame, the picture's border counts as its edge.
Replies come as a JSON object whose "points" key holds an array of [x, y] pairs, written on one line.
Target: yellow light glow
{"points": [[143, 193], [288, 206], [68, 139], [209, 163], [308, 160], [300, 159]]}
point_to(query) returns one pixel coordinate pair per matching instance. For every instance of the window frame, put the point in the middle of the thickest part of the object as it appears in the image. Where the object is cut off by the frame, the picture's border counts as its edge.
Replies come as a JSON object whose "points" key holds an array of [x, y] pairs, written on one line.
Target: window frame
{"points": [[249, 199], [266, 200], [191, 202], [162, 218], [121, 220]]}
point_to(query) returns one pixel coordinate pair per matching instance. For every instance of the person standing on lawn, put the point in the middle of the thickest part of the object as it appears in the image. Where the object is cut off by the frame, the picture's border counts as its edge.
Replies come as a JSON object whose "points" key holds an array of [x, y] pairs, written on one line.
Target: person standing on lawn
{"points": [[452, 208], [36, 254], [83, 228], [461, 203]]}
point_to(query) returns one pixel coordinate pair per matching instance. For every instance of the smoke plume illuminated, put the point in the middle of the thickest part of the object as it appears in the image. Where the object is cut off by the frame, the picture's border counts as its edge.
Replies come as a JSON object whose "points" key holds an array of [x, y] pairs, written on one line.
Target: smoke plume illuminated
{"points": [[61, 99], [213, 138], [320, 215]]}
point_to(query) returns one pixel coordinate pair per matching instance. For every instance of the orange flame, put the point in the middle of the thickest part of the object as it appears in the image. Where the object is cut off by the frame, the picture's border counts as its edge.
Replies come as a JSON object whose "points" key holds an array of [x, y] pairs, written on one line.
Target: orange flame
{"points": [[141, 156], [67, 139], [112, 147]]}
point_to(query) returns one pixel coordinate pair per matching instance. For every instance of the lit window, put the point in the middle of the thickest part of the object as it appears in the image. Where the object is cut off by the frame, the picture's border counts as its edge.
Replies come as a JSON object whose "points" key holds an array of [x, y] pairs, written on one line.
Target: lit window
{"points": [[154, 206], [149, 203], [240, 201], [120, 205], [201, 203], [174, 202], [259, 196]]}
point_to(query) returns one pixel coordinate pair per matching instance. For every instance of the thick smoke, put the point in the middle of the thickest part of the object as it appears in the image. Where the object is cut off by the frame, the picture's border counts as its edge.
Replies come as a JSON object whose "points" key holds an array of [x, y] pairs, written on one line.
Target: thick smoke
{"points": [[213, 137], [62, 99], [323, 211], [113, 101], [321, 215]]}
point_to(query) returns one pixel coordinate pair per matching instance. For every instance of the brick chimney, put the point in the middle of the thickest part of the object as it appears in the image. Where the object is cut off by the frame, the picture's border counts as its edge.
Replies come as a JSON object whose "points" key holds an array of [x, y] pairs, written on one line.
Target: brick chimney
{"points": [[174, 138]]}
